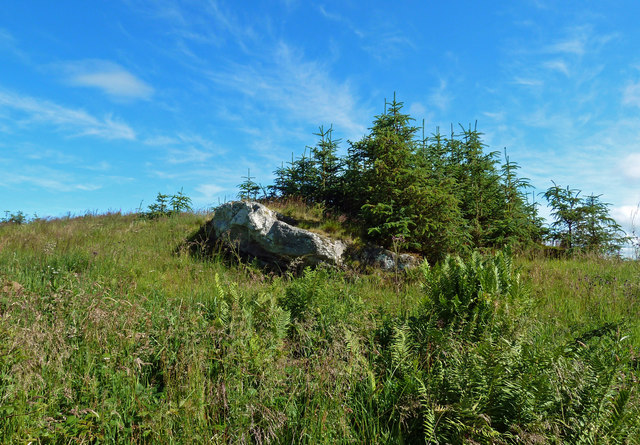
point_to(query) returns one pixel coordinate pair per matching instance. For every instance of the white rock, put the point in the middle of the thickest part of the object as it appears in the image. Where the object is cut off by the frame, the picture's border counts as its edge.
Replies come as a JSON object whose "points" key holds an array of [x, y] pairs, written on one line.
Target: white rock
{"points": [[255, 230]]}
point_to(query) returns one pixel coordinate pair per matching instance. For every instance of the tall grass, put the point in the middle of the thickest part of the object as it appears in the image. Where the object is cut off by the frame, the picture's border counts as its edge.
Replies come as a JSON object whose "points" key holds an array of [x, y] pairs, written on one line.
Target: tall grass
{"points": [[111, 332]]}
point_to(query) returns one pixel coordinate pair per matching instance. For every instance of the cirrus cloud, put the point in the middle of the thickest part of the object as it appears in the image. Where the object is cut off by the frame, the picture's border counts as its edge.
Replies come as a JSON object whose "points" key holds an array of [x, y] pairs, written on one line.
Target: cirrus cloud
{"points": [[631, 94], [111, 78], [631, 166], [26, 111]]}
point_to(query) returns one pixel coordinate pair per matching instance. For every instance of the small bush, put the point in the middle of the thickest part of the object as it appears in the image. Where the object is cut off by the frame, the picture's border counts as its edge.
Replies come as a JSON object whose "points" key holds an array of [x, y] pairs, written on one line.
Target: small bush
{"points": [[14, 218], [168, 205]]}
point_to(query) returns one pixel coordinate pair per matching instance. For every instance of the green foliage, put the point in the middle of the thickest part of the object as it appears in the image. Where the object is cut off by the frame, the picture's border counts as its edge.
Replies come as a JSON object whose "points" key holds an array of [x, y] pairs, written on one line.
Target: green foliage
{"points": [[168, 205], [467, 367], [298, 179], [327, 167], [583, 224], [14, 218], [180, 203], [462, 294], [110, 332], [566, 211], [598, 232], [249, 189], [314, 178], [520, 223], [399, 198], [441, 195]]}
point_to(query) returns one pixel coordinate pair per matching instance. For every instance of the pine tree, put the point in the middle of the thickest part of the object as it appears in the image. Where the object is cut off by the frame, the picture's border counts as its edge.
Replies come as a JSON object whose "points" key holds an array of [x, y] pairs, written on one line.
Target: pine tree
{"points": [[249, 189], [327, 167], [567, 213], [597, 231], [387, 154], [439, 194], [402, 196], [477, 185], [520, 222]]}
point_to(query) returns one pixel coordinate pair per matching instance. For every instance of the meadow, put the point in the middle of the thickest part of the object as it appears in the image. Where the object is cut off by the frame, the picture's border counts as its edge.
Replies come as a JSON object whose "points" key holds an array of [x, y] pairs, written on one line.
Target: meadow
{"points": [[113, 331]]}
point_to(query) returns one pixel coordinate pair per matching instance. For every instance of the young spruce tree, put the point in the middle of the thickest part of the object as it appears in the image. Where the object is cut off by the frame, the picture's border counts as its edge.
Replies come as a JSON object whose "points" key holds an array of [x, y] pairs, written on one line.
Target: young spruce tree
{"points": [[401, 197]]}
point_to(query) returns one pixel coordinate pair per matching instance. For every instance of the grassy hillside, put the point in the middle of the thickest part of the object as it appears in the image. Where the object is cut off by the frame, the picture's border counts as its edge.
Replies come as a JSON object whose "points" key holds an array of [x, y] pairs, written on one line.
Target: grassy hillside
{"points": [[110, 331]]}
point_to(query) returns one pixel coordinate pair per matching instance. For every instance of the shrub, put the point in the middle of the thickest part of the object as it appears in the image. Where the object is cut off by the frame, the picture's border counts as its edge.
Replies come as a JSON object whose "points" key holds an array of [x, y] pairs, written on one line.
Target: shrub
{"points": [[168, 205], [463, 295]]}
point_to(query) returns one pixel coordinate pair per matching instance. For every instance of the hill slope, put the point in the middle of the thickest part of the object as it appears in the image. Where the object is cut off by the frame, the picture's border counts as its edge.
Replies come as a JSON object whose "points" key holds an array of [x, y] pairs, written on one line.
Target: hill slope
{"points": [[111, 331]]}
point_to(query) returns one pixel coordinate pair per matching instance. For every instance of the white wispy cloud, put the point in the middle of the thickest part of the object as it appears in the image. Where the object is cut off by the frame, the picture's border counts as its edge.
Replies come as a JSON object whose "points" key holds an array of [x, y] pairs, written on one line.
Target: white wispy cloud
{"points": [[188, 155], [32, 110], [108, 77], [161, 140], [574, 51], [528, 82], [630, 166], [50, 156], [208, 193], [9, 43], [495, 115], [209, 24], [579, 41], [181, 138], [48, 179], [299, 87], [101, 166], [557, 65], [631, 94], [383, 40], [6, 38], [628, 216], [274, 80], [417, 109], [387, 45], [575, 45], [185, 148], [440, 97]]}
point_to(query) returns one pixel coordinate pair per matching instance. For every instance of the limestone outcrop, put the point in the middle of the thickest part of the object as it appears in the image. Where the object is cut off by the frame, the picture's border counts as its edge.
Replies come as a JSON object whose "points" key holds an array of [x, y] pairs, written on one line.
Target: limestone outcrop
{"points": [[251, 229]]}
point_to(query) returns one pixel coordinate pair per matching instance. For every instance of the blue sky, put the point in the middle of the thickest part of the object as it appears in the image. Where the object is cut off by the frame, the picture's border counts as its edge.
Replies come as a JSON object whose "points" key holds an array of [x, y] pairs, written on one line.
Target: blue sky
{"points": [[105, 103]]}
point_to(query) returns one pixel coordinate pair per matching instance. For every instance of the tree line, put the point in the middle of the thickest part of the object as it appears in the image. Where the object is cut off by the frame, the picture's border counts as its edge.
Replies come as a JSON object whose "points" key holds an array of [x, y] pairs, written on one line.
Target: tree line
{"points": [[436, 194]]}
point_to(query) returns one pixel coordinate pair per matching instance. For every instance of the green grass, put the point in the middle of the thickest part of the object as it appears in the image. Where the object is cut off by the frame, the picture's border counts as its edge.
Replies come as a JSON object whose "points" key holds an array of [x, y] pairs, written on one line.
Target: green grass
{"points": [[111, 332], [316, 218]]}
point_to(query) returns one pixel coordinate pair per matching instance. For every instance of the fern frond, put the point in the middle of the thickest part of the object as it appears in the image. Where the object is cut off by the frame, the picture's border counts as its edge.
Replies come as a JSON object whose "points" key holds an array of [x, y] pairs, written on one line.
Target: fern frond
{"points": [[429, 422], [281, 319], [401, 347]]}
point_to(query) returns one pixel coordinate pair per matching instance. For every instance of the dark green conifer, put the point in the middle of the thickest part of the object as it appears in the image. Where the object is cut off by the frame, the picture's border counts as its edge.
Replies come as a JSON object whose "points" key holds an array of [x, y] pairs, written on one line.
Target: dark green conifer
{"points": [[327, 167]]}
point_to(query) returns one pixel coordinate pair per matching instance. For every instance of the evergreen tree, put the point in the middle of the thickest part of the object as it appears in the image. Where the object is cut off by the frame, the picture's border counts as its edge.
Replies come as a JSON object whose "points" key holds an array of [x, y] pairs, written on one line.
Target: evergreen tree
{"points": [[352, 186], [249, 189], [583, 224], [180, 203], [478, 188], [597, 231], [438, 194], [327, 167], [400, 194], [283, 184], [567, 213], [297, 179], [520, 222], [388, 153]]}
